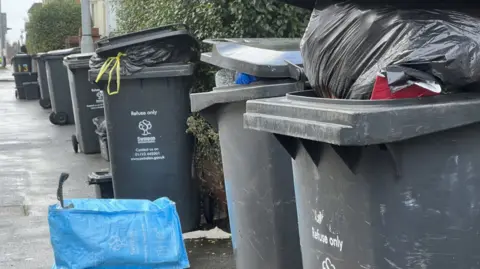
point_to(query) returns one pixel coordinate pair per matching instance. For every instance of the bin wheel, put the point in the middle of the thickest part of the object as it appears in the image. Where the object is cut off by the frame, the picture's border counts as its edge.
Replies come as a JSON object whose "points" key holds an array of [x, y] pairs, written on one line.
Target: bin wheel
{"points": [[61, 118], [45, 103], [51, 117], [16, 94], [75, 143]]}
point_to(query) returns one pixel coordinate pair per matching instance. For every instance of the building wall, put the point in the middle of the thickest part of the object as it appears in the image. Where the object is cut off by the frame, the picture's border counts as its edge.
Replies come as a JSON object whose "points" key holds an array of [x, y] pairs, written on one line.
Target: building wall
{"points": [[98, 16], [103, 15]]}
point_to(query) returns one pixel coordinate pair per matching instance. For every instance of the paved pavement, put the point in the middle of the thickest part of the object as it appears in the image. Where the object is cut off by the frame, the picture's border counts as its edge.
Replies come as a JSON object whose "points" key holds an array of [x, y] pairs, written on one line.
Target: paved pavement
{"points": [[33, 153], [6, 74]]}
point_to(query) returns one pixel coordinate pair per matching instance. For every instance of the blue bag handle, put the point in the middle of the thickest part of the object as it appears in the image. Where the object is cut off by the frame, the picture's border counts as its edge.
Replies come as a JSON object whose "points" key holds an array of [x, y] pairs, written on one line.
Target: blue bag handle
{"points": [[63, 178]]}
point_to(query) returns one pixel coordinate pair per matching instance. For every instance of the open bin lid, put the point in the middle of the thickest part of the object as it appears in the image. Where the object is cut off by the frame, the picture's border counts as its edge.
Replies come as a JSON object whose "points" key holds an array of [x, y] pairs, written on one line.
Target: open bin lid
{"points": [[119, 43], [237, 93], [360, 122], [261, 57], [54, 54], [76, 61]]}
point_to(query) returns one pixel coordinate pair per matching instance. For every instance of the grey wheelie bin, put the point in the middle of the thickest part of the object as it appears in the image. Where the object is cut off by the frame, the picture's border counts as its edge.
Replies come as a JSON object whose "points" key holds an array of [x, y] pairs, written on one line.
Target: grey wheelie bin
{"points": [[381, 184], [43, 82], [257, 170], [150, 150], [59, 87], [87, 100]]}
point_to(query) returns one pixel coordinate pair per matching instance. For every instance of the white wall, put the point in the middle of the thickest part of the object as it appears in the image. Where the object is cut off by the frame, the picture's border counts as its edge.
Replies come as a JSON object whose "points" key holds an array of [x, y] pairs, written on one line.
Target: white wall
{"points": [[111, 17]]}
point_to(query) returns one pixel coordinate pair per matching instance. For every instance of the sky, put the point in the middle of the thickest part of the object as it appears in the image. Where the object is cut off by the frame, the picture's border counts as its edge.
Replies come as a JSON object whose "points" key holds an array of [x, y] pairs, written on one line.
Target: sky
{"points": [[16, 15]]}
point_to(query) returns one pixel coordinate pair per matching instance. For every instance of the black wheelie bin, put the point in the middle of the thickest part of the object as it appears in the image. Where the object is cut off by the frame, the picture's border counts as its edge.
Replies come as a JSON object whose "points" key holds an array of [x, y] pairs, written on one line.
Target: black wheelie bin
{"points": [[146, 114], [59, 87], [257, 170], [87, 100], [381, 184]]}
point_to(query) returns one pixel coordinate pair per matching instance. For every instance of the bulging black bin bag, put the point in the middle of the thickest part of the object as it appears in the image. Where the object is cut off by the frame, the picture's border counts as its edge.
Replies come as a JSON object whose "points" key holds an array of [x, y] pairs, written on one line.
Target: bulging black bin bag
{"points": [[345, 47], [150, 54]]}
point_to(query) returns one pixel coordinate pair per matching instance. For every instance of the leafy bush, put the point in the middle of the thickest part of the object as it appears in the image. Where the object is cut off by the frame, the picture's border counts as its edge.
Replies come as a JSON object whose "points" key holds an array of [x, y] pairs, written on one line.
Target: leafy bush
{"points": [[213, 19], [49, 25]]}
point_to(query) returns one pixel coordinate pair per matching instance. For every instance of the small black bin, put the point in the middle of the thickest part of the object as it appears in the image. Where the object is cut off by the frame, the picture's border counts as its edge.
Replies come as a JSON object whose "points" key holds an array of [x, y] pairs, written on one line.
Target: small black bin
{"points": [[32, 90], [103, 184]]}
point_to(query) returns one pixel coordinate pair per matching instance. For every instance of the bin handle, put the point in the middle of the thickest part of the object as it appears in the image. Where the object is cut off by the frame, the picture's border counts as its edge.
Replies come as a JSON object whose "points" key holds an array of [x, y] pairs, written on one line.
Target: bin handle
{"points": [[116, 66], [63, 178], [296, 72]]}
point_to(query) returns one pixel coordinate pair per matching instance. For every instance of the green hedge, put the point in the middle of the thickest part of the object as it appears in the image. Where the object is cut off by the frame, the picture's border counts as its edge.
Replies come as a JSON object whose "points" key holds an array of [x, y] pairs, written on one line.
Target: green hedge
{"points": [[49, 26], [213, 19]]}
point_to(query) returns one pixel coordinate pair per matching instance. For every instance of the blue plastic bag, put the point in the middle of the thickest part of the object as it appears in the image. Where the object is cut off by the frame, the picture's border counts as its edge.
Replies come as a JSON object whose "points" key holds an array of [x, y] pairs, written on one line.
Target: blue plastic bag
{"points": [[114, 234], [244, 79]]}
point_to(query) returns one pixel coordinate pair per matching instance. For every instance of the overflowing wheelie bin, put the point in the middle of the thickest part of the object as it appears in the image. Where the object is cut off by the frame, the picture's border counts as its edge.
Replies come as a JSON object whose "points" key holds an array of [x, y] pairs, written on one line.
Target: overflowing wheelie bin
{"points": [[257, 170], [59, 87], [42, 81], [381, 184], [87, 100], [146, 78]]}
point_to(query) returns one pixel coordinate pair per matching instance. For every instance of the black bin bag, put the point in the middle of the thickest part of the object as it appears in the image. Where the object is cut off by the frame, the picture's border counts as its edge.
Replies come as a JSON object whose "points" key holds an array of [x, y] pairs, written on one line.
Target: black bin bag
{"points": [[345, 47]]}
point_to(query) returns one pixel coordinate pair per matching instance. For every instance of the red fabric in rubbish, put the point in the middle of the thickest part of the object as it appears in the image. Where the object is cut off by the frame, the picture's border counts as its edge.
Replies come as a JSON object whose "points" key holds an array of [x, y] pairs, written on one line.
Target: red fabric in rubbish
{"points": [[381, 91]]}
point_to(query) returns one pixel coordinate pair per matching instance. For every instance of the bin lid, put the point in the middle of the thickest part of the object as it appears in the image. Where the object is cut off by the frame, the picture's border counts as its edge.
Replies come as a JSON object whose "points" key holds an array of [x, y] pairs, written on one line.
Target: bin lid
{"points": [[99, 178], [238, 93], [21, 55], [60, 53], [76, 61], [261, 57], [38, 55], [165, 70], [360, 122], [113, 44]]}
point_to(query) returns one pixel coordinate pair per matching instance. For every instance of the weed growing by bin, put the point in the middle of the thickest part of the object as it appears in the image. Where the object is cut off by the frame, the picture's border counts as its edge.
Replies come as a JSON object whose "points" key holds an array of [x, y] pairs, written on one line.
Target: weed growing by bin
{"points": [[213, 19], [49, 25]]}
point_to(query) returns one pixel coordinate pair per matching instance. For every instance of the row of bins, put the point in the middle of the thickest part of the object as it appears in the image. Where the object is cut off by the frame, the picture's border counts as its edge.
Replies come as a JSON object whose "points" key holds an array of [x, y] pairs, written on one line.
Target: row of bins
{"points": [[310, 182]]}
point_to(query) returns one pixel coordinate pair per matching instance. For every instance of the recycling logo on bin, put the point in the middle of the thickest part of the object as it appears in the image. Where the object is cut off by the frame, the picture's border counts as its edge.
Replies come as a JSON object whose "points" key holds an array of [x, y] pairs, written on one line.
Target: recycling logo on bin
{"points": [[147, 148]]}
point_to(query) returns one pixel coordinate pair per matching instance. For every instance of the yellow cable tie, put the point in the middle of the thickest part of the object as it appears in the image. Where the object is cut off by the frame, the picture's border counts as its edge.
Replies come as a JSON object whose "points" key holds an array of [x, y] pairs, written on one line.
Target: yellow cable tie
{"points": [[116, 66]]}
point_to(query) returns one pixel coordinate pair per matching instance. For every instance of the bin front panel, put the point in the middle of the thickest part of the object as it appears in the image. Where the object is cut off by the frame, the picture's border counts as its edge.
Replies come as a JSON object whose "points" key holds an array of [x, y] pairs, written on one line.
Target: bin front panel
{"points": [[21, 78], [260, 195], [409, 204], [87, 100], [59, 88], [22, 63], [150, 150]]}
